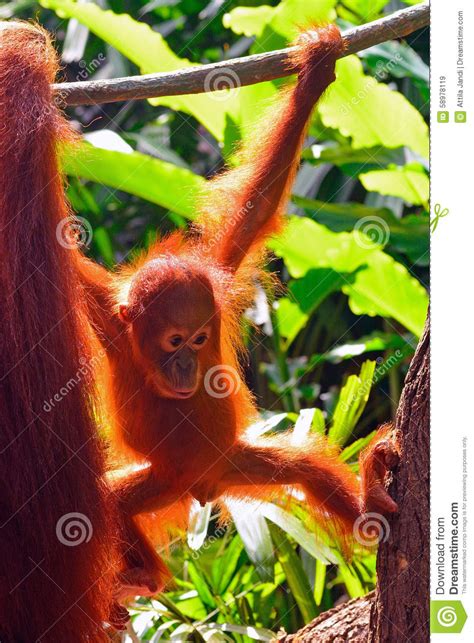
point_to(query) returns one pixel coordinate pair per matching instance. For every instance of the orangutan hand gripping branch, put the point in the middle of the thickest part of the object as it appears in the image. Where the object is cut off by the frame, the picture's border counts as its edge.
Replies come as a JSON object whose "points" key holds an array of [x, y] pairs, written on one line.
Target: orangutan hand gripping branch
{"points": [[170, 325]]}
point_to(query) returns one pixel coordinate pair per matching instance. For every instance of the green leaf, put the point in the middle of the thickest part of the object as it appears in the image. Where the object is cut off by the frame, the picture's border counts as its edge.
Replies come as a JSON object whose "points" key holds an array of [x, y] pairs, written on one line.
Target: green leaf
{"points": [[168, 185], [201, 585], [305, 244], [317, 545], [253, 529], [318, 426], [165, 604], [305, 296], [351, 580], [356, 105], [248, 21], [374, 342], [274, 27], [386, 288], [397, 59], [319, 582], [103, 243], [362, 10], [254, 21], [356, 447], [409, 235], [150, 52], [225, 566], [354, 161], [352, 400], [295, 575], [381, 286], [409, 182], [371, 113]]}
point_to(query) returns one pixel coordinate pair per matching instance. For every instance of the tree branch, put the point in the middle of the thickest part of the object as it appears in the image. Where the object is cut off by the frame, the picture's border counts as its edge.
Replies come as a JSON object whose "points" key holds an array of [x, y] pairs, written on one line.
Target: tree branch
{"points": [[244, 71], [345, 622]]}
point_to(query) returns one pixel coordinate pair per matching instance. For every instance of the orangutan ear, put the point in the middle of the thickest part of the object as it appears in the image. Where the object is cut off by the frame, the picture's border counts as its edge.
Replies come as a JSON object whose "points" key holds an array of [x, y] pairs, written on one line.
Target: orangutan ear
{"points": [[124, 314]]}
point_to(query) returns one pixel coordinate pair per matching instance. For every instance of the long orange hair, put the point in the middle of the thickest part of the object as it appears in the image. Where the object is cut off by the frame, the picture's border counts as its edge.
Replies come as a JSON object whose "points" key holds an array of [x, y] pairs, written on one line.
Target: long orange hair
{"points": [[57, 561]]}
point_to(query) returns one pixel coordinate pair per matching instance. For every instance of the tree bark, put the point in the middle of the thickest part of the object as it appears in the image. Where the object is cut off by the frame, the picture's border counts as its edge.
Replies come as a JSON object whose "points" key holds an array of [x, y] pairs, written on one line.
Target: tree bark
{"points": [[399, 608], [237, 72], [346, 622]]}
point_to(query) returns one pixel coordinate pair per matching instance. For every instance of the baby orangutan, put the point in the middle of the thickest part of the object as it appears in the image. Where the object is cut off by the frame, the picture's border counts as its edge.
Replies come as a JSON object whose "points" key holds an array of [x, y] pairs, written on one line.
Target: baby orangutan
{"points": [[170, 324]]}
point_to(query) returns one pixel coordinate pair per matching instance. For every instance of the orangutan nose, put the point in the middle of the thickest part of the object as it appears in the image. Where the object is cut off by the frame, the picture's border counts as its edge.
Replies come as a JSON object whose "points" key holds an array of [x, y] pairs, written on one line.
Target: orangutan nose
{"points": [[185, 361]]}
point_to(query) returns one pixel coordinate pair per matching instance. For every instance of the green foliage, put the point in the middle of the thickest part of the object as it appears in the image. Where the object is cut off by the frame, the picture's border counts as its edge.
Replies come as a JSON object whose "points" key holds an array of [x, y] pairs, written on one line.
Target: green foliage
{"points": [[330, 354], [149, 51], [372, 114], [352, 400], [174, 188], [409, 182], [232, 582], [376, 285]]}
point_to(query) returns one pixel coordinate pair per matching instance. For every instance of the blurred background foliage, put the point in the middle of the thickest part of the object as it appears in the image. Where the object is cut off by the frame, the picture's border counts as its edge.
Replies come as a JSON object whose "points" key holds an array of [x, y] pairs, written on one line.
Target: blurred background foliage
{"points": [[331, 353]]}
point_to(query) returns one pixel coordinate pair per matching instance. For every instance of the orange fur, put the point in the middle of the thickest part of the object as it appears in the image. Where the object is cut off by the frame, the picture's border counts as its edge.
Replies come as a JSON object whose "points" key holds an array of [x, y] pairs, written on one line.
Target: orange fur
{"points": [[52, 464], [187, 435]]}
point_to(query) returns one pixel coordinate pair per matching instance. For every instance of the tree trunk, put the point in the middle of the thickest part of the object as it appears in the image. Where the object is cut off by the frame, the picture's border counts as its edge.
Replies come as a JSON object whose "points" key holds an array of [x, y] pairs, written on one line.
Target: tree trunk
{"points": [[401, 603], [399, 608], [346, 622]]}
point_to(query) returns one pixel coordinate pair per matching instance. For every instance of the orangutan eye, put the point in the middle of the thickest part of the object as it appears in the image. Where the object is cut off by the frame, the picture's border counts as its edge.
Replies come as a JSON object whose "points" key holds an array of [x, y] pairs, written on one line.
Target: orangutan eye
{"points": [[176, 341], [200, 339]]}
